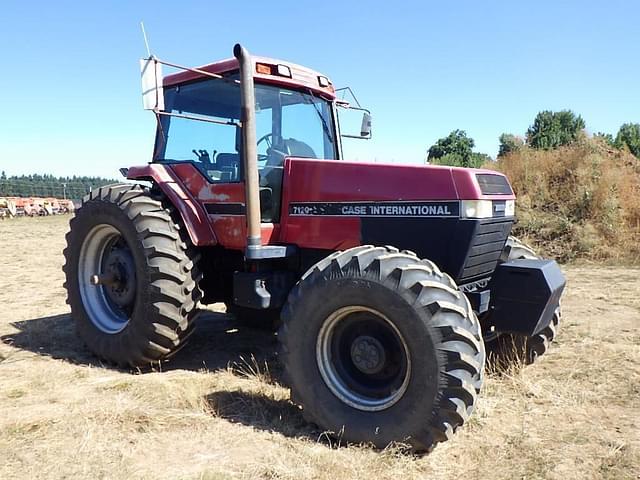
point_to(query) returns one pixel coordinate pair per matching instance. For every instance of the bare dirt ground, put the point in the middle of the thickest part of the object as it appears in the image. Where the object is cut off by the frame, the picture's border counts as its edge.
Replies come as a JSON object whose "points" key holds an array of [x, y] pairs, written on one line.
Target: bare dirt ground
{"points": [[216, 411]]}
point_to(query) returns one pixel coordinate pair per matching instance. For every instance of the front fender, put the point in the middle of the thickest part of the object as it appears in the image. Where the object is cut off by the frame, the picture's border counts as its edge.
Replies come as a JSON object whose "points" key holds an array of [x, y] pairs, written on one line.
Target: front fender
{"points": [[193, 215]]}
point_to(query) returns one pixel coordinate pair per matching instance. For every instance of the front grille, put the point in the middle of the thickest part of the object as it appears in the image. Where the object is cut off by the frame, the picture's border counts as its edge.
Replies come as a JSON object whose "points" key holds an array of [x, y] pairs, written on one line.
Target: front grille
{"points": [[489, 239]]}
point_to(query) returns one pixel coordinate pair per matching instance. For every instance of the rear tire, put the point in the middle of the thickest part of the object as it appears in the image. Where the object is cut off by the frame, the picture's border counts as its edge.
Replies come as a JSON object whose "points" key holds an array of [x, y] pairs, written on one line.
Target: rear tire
{"points": [[379, 346], [143, 309]]}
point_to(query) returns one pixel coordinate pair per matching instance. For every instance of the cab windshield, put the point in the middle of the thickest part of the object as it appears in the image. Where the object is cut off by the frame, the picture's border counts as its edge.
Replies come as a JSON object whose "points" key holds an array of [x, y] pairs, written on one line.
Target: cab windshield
{"points": [[288, 123]]}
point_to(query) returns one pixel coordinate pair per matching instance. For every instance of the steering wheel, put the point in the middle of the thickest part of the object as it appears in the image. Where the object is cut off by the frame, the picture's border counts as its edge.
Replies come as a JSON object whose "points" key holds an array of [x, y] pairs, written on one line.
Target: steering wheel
{"points": [[267, 139], [274, 156]]}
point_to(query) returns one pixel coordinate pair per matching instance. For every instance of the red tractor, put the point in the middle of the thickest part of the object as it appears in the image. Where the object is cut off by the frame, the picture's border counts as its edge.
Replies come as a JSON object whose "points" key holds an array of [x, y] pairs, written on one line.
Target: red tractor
{"points": [[384, 281]]}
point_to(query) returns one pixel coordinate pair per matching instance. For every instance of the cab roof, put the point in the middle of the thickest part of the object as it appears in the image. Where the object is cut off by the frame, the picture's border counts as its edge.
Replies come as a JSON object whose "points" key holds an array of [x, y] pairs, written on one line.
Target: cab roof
{"points": [[301, 77]]}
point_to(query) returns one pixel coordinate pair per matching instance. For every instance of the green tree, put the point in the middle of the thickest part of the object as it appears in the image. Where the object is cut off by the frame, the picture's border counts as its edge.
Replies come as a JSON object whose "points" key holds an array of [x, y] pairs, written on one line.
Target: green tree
{"points": [[451, 159], [629, 136], [509, 144], [49, 186], [457, 147], [476, 160], [479, 159], [554, 129]]}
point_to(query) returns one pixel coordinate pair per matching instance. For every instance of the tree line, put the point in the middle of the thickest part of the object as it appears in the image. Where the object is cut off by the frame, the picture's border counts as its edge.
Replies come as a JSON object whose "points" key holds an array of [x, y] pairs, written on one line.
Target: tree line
{"points": [[549, 130], [37, 185]]}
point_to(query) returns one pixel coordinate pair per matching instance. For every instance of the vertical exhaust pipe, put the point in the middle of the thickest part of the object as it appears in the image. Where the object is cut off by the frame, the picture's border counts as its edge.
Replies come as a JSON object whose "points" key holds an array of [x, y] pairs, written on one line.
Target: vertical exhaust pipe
{"points": [[249, 151]]}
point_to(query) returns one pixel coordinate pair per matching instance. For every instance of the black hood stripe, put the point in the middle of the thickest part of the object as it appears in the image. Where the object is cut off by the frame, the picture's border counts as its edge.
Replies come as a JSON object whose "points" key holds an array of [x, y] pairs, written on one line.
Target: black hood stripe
{"points": [[422, 209]]}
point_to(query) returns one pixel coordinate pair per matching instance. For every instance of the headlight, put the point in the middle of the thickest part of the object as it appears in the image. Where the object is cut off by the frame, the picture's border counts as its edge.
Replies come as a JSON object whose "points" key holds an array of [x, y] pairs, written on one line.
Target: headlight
{"points": [[476, 209], [487, 208], [509, 208]]}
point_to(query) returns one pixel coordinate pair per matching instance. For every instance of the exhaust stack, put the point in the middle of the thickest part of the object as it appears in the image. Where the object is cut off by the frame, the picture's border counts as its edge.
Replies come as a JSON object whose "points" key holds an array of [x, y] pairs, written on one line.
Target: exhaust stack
{"points": [[249, 154]]}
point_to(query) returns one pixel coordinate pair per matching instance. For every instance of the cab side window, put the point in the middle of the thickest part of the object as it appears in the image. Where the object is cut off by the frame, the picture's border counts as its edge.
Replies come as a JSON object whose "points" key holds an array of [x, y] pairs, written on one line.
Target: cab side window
{"points": [[202, 130]]}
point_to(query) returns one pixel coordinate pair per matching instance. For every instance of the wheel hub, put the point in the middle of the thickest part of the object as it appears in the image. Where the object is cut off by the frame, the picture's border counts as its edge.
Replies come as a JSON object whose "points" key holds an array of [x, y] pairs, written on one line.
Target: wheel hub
{"points": [[367, 354], [120, 271], [363, 358], [107, 278]]}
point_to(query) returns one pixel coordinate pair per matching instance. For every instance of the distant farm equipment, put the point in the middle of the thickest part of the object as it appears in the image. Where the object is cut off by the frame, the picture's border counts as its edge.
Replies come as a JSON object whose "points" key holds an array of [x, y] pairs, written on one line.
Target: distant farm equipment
{"points": [[7, 208], [34, 206]]}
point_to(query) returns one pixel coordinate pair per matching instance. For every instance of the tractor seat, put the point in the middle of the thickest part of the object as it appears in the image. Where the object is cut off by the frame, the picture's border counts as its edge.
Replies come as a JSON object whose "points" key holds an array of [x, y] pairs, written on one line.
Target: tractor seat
{"points": [[227, 160], [229, 163], [296, 148]]}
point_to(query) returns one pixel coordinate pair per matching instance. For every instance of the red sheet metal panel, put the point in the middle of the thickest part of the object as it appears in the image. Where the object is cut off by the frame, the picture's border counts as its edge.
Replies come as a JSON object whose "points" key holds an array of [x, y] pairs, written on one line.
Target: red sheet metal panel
{"points": [[192, 213], [230, 228]]}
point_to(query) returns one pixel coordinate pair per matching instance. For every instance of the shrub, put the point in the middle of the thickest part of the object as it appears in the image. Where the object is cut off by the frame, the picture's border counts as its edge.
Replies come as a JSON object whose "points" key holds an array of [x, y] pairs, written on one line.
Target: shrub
{"points": [[476, 160], [578, 201], [605, 138], [629, 137]]}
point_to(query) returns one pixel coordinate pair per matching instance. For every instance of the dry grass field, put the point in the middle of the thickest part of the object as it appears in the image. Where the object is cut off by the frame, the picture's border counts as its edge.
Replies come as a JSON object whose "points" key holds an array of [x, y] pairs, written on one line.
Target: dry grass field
{"points": [[216, 411]]}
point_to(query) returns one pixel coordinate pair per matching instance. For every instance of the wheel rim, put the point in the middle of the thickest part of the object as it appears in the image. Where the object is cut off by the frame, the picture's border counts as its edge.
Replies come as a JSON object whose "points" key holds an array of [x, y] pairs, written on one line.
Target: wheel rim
{"points": [[106, 258], [363, 358]]}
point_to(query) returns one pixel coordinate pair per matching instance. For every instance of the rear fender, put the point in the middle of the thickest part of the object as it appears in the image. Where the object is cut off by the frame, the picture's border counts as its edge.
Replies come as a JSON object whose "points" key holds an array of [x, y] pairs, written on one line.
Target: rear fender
{"points": [[192, 214]]}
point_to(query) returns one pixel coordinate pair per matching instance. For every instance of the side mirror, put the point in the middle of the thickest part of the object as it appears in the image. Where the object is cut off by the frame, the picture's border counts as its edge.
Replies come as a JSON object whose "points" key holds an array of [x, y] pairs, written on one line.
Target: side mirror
{"points": [[349, 119], [365, 129], [152, 93]]}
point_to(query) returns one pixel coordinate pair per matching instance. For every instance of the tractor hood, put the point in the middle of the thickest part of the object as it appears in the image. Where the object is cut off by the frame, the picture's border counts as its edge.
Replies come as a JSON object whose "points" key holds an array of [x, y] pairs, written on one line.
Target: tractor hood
{"points": [[340, 181], [459, 218]]}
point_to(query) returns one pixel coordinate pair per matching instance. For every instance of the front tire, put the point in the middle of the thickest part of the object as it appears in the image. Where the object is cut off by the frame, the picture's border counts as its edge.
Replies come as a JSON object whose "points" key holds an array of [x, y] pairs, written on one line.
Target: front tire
{"points": [[379, 346], [131, 276]]}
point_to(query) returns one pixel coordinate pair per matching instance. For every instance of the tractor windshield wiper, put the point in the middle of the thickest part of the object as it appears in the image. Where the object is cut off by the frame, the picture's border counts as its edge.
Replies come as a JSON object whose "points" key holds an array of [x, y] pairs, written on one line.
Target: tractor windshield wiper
{"points": [[325, 127]]}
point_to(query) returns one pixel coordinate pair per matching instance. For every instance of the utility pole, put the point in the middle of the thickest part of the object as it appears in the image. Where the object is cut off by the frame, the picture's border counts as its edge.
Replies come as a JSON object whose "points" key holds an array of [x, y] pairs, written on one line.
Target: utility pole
{"points": [[64, 191]]}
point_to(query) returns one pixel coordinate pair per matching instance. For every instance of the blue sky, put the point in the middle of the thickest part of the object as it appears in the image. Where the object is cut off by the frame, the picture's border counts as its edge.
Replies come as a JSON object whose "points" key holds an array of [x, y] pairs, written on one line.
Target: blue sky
{"points": [[70, 90]]}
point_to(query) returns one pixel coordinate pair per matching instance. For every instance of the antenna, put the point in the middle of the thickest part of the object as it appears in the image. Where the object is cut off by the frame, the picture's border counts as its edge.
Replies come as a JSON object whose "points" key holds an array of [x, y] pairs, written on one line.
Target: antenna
{"points": [[146, 41]]}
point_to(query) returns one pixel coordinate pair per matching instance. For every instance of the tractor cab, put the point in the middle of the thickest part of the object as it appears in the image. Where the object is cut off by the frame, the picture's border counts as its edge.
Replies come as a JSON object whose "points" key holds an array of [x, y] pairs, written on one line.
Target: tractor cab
{"points": [[200, 124]]}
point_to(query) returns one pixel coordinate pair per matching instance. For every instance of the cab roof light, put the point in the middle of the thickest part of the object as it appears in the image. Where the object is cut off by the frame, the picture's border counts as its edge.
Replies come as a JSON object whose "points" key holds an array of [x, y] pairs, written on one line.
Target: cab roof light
{"points": [[267, 69], [323, 81], [263, 68], [283, 71]]}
